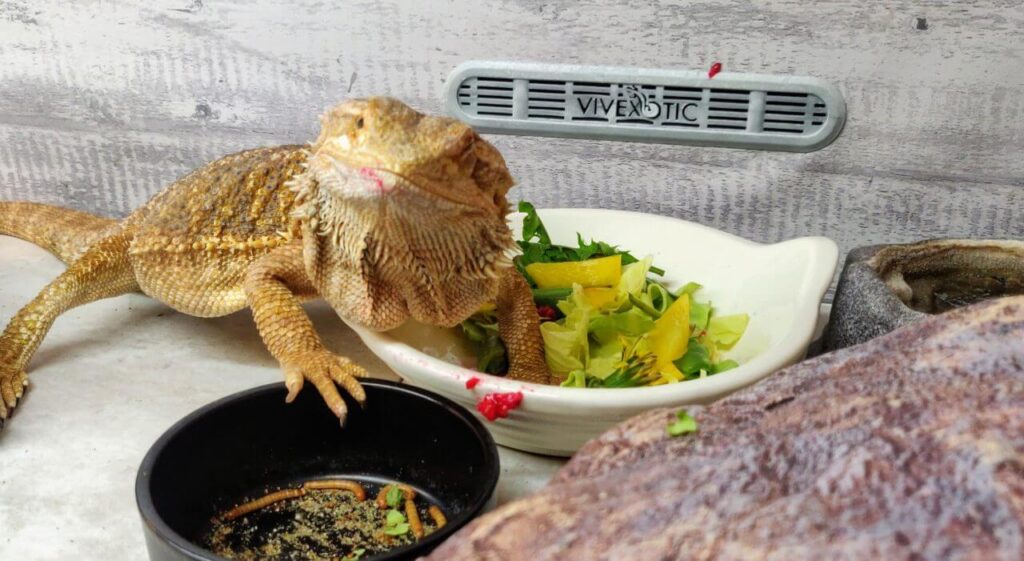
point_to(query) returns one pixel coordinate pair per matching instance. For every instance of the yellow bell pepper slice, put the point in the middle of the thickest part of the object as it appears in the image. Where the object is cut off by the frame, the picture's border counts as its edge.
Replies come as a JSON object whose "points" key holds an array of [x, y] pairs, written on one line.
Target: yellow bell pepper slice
{"points": [[670, 374], [603, 271], [600, 297], [670, 336]]}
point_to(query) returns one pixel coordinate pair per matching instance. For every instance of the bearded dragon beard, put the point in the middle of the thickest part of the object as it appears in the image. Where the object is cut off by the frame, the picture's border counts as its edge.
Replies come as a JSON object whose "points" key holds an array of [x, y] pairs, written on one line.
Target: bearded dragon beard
{"points": [[379, 256]]}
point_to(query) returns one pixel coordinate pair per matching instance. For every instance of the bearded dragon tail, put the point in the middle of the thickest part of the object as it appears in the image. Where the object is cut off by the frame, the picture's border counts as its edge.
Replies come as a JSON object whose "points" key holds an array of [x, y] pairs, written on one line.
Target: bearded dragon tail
{"points": [[63, 232]]}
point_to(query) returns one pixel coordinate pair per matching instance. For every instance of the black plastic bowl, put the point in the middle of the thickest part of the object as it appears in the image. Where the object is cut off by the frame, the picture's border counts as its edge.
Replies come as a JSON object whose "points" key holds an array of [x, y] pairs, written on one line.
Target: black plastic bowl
{"points": [[242, 444]]}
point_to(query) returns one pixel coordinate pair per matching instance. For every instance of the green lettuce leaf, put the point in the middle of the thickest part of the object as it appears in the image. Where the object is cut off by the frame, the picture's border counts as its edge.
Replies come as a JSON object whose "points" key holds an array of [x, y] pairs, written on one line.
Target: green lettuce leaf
{"points": [[565, 347], [700, 312], [631, 323], [633, 279], [395, 518], [697, 358], [684, 424], [565, 341], [688, 288], [397, 530], [724, 365], [604, 359], [482, 331], [575, 379], [724, 331]]}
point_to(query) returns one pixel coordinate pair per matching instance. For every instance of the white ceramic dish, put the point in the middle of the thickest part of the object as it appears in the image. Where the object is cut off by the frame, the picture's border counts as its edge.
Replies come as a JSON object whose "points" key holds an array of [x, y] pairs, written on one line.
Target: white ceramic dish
{"points": [[779, 285]]}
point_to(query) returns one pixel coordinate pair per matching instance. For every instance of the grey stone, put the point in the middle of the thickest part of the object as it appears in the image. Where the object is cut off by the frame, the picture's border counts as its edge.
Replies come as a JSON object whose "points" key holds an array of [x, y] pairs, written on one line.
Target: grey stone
{"points": [[883, 287]]}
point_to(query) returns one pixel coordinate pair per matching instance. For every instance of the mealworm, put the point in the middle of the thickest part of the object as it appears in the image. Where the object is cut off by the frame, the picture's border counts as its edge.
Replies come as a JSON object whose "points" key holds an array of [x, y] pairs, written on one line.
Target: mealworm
{"points": [[407, 492], [261, 502], [438, 516], [414, 518], [340, 484]]}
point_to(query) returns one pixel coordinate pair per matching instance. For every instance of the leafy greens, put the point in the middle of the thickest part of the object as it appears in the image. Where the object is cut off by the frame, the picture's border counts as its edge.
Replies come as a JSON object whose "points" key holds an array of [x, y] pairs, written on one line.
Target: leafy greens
{"points": [[596, 339]]}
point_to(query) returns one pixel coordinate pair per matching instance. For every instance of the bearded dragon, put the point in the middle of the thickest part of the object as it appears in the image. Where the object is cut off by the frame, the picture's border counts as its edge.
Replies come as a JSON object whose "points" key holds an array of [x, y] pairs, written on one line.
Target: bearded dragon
{"points": [[389, 214]]}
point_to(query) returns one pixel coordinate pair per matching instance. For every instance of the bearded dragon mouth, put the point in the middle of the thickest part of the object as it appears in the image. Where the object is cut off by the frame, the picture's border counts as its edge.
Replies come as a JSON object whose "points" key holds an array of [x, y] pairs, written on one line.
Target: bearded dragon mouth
{"points": [[464, 193], [376, 183]]}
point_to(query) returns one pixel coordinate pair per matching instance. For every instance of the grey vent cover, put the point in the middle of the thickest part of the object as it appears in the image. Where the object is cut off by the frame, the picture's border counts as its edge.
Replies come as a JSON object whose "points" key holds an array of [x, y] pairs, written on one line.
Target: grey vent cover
{"points": [[646, 105]]}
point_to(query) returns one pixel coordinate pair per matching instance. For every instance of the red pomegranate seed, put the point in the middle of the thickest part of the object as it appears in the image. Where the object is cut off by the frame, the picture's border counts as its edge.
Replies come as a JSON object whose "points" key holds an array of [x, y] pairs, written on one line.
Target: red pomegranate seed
{"points": [[498, 405], [472, 382], [715, 69], [488, 409], [546, 312]]}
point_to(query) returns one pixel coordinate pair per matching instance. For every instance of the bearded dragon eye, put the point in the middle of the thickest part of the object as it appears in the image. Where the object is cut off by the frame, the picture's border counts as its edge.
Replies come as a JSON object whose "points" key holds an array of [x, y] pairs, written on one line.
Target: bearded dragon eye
{"points": [[359, 123]]}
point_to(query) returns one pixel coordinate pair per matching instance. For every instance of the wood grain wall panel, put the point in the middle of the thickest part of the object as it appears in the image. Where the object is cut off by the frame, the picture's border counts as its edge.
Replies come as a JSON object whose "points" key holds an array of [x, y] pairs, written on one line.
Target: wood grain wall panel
{"points": [[102, 103]]}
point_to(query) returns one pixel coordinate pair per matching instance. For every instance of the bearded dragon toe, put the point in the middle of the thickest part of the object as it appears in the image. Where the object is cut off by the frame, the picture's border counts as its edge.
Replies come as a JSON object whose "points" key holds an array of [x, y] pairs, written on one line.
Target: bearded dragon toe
{"points": [[12, 386], [326, 371]]}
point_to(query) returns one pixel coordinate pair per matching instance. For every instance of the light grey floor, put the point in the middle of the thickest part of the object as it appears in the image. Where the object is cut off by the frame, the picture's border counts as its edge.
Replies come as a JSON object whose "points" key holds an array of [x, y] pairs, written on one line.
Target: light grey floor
{"points": [[109, 379]]}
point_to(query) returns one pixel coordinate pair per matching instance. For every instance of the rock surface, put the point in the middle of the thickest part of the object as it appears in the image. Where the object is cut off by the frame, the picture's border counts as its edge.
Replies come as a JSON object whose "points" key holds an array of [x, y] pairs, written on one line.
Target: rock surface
{"points": [[883, 287], [863, 307], [907, 447]]}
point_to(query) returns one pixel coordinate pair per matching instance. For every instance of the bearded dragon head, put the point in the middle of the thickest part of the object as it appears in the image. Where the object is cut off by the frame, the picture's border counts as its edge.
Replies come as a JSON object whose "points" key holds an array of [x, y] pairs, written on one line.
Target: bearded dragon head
{"points": [[402, 214]]}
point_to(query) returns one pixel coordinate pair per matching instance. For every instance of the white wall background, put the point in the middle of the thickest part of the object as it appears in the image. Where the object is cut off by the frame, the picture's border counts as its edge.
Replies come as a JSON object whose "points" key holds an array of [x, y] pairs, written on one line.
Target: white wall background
{"points": [[102, 103]]}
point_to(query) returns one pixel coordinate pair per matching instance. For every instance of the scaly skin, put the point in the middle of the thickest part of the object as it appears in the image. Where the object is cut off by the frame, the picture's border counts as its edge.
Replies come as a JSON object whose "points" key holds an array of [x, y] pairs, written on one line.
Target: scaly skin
{"points": [[388, 215]]}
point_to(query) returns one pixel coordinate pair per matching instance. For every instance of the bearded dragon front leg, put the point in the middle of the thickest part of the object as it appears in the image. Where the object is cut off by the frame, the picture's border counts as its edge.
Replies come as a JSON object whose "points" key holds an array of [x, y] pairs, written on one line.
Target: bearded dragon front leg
{"points": [[273, 285], [519, 328], [102, 271]]}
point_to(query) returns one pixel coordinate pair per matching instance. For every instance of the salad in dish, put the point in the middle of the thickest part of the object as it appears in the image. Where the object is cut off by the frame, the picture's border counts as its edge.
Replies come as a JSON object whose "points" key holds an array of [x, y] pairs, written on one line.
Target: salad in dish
{"points": [[607, 321]]}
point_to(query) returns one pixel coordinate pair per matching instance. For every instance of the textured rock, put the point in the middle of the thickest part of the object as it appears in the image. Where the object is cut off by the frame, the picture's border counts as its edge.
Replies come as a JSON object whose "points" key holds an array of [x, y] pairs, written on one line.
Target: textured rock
{"points": [[907, 447], [885, 286], [863, 307]]}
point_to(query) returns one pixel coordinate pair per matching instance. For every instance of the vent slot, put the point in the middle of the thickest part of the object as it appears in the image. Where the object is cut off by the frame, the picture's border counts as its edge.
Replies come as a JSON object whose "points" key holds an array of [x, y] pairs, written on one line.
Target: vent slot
{"points": [[489, 97], [728, 109], [683, 107], [793, 113], [546, 99]]}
